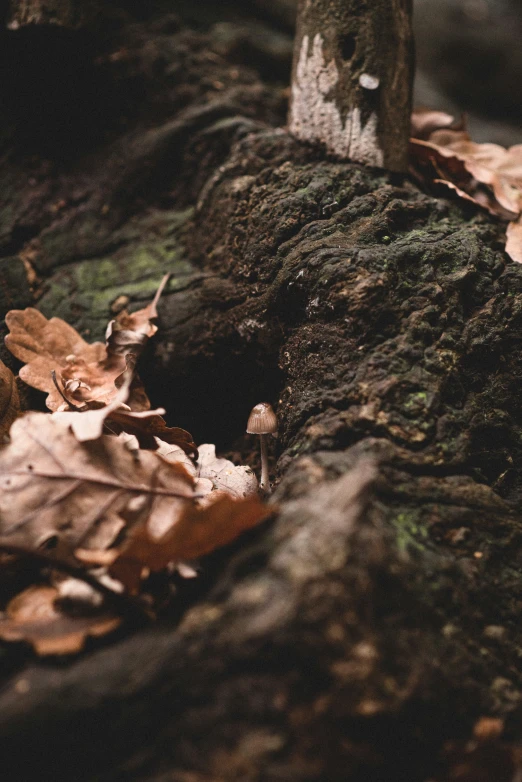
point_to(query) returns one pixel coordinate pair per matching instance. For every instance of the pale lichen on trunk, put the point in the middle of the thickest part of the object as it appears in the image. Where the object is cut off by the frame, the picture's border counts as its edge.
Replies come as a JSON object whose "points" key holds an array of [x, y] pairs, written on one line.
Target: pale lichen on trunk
{"points": [[351, 86], [315, 116]]}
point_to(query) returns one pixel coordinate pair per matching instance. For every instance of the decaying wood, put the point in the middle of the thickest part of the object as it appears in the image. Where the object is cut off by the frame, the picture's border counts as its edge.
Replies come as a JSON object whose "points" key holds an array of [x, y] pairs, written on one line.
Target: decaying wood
{"points": [[376, 617], [352, 79]]}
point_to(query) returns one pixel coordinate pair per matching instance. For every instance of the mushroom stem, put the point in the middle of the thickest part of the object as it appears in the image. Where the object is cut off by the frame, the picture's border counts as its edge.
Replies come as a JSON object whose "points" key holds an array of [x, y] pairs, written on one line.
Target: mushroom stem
{"points": [[264, 483], [262, 421]]}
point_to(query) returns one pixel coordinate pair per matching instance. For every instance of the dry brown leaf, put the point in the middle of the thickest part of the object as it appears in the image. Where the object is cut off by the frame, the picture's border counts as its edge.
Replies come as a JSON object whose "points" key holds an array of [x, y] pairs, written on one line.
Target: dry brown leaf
{"points": [[451, 151], [445, 166], [514, 240], [82, 493], [429, 164], [237, 480], [212, 473], [86, 372], [147, 426], [424, 121], [94, 418], [489, 164], [198, 531], [126, 337], [461, 193], [34, 616], [128, 334], [88, 422], [47, 345], [9, 400]]}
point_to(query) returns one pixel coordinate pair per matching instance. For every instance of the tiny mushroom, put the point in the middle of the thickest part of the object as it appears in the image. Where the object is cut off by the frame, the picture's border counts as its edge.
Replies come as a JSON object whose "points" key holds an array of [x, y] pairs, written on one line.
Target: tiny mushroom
{"points": [[263, 421]]}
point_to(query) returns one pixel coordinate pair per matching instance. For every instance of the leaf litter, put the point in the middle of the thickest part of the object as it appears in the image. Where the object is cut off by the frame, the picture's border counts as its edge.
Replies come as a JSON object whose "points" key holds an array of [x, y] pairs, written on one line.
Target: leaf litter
{"points": [[100, 493], [487, 174]]}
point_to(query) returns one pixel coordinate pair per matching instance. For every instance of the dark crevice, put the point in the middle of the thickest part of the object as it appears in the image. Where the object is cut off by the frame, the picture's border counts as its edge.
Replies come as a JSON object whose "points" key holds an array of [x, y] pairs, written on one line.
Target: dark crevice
{"points": [[20, 235], [347, 45], [211, 395], [67, 103]]}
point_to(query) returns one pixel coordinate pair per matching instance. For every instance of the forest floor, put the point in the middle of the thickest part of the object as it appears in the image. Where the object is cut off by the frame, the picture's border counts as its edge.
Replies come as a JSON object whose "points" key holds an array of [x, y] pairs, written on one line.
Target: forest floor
{"points": [[371, 630]]}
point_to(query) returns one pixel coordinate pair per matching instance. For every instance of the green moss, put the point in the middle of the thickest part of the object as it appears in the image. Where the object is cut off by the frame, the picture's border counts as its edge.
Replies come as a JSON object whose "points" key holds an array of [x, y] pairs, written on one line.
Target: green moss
{"points": [[409, 532], [82, 292], [415, 404]]}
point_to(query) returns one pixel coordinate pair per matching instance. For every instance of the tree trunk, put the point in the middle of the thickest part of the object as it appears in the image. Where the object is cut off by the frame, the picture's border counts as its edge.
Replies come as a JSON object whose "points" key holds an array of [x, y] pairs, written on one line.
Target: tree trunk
{"points": [[368, 627], [352, 79]]}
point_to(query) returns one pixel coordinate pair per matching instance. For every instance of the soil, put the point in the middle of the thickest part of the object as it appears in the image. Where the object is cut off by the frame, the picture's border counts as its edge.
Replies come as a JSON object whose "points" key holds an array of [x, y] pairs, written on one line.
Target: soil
{"points": [[365, 630]]}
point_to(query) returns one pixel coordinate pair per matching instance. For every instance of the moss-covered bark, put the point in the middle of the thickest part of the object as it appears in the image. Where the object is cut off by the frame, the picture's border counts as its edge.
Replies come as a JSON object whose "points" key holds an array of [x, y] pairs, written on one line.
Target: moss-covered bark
{"points": [[377, 616]]}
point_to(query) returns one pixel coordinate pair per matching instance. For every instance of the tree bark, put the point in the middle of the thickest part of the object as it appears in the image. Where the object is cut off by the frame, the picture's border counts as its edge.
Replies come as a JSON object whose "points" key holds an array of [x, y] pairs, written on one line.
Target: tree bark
{"points": [[376, 618], [352, 79]]}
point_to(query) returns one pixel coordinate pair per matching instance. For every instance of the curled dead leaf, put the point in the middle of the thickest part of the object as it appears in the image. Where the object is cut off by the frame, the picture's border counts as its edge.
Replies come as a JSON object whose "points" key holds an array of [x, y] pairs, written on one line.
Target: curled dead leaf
{"points": [[87, 372], [477, 169], [237, 480], [424, 121], [47, 345], [94, 418], [35, 616], [489, 164], [128, 334], [52, 486], [514, 240], [198, 531], [148, 427]]}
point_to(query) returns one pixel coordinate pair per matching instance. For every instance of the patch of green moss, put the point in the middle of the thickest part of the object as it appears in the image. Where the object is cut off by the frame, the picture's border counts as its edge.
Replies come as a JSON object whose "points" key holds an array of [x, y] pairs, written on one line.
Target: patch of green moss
{"points": [[410, 534], [415, 403], [82, 292]]}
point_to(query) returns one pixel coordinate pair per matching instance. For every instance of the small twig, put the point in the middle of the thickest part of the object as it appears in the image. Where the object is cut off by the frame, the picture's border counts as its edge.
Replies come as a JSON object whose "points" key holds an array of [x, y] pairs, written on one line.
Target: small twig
{"points": [[123, 603], [60, 391]]}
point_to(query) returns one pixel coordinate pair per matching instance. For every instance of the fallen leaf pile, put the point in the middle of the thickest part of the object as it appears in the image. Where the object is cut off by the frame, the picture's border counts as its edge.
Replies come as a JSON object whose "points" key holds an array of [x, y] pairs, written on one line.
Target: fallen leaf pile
{"points": [[101, 493], [487, 174]]}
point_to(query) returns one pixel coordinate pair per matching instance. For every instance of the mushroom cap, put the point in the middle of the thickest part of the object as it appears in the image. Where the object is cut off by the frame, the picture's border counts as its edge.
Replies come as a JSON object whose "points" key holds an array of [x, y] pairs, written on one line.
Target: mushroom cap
{"points": [[262, 419]]}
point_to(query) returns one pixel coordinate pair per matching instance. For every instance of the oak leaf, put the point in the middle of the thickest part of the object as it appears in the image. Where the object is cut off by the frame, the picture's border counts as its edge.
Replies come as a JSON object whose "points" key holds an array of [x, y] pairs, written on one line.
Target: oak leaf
{"points": [[197, 531], [237, 480], [94, 418], [128, 334], [52, 486], [489, 164], [35, 616], [149, 426], [487, 174], [47, 345], [211, 472], [87, 372], [424, 121]]}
